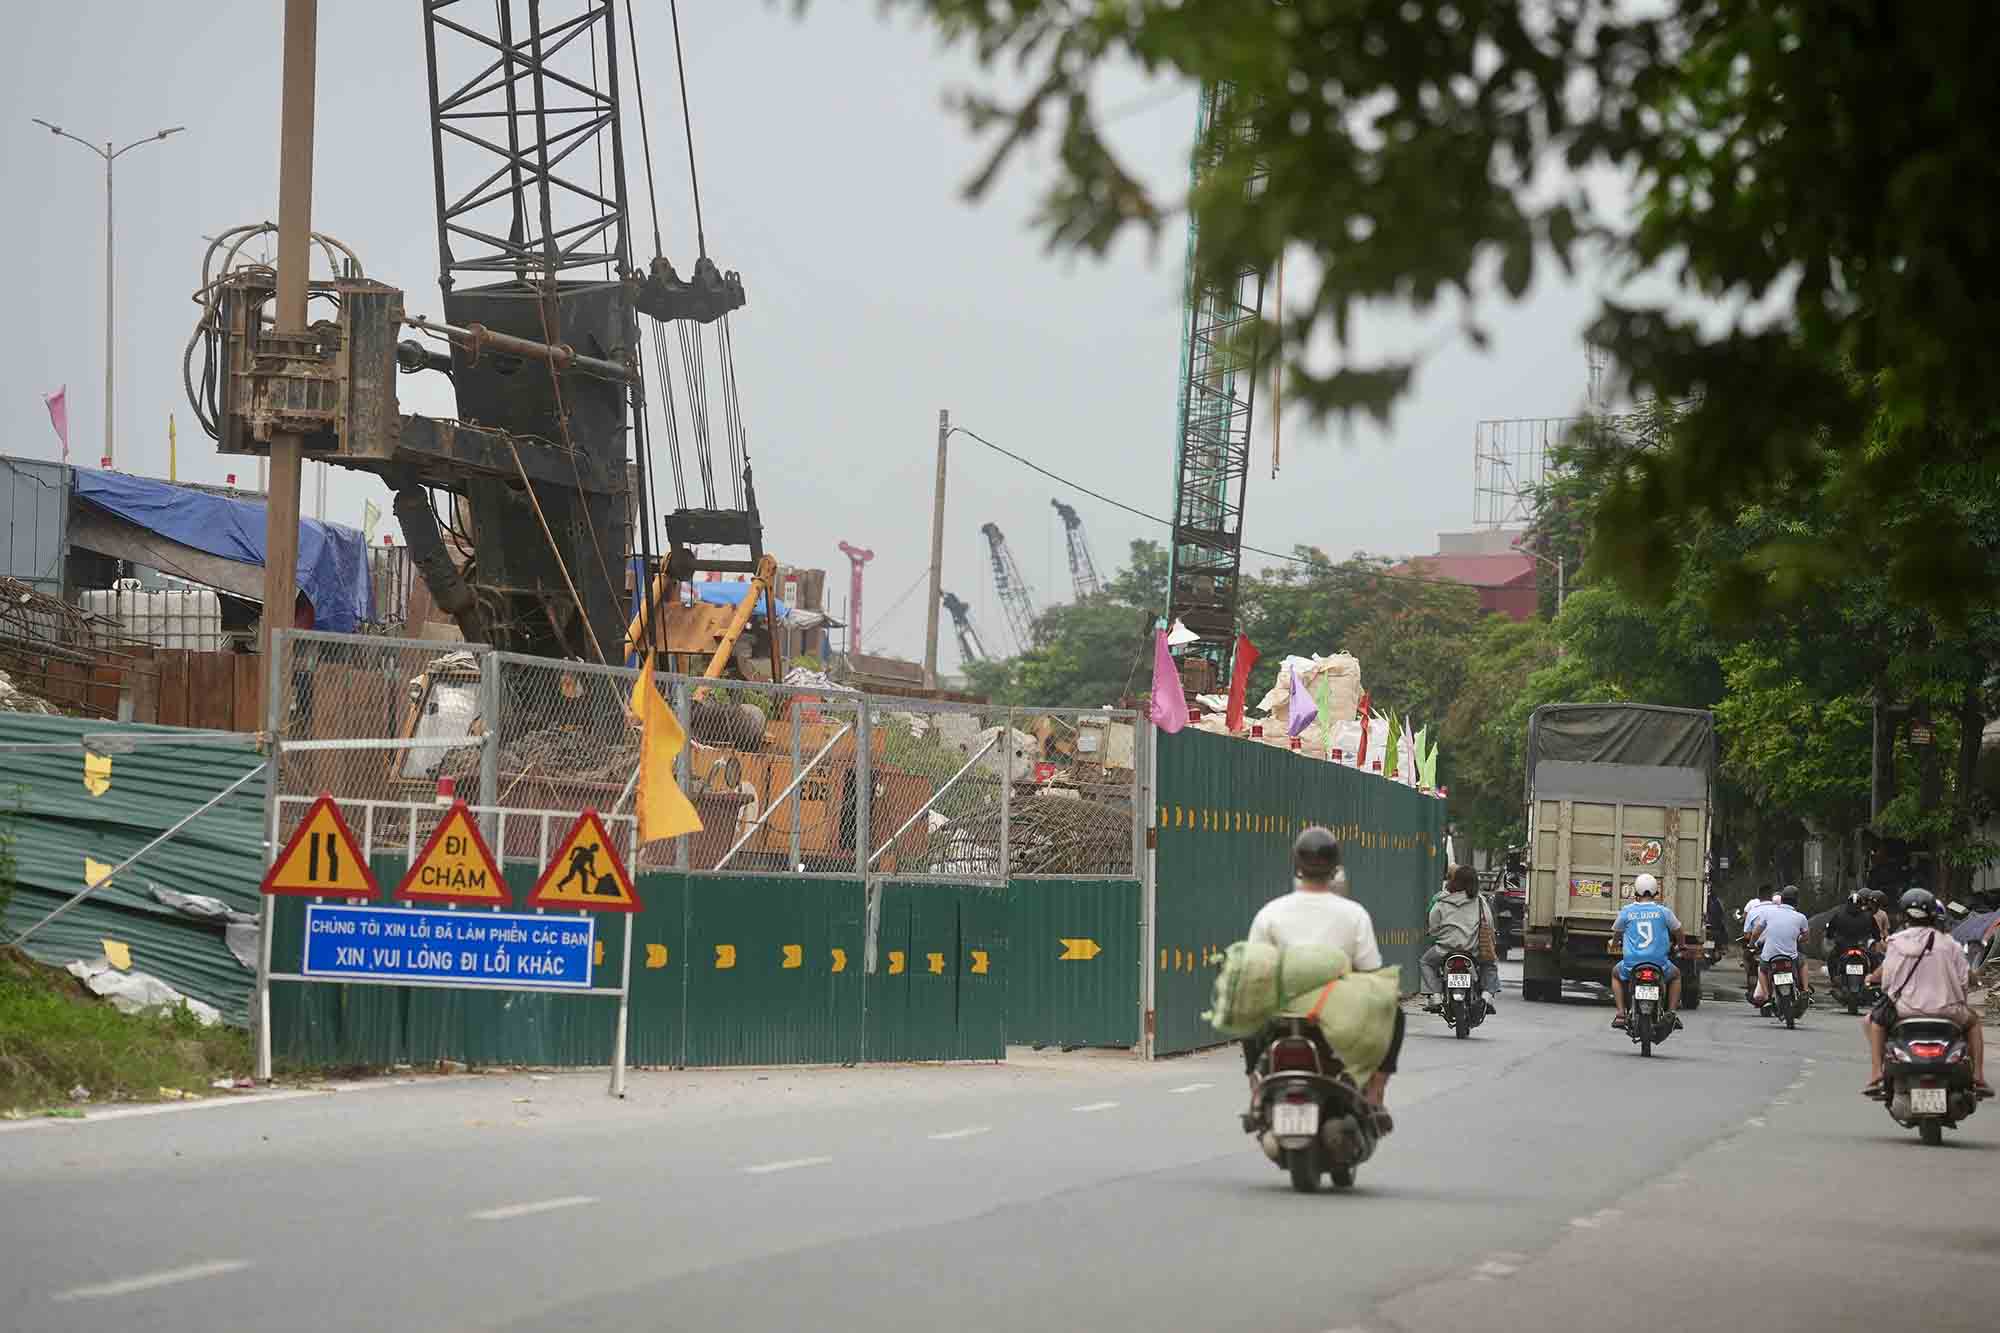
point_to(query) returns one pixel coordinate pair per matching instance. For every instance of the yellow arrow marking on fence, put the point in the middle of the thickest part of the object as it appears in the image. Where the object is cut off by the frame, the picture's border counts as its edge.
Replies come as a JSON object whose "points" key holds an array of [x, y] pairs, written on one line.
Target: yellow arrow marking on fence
{"points": [[936, 960], [795, 956], [597, 954], [656, 955], [725, 957], [840, 960], [1076, 951], [895, 962], [1163, 960], [979, 962]]}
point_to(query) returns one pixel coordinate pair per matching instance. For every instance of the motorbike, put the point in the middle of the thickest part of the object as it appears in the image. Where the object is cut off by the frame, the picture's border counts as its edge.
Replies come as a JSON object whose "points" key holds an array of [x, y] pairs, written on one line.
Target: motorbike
{"points": [[1464, 1007], [1786, 1002], [1848, 973], [1510, 899], [1647, 1020], [1311, 1119], [1927, 1077]]}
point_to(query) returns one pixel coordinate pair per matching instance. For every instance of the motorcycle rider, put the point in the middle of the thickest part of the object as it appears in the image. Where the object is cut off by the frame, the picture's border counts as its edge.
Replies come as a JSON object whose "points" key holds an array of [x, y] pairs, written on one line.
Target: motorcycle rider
{"points": [[1318, 911], [1655, 934], [1454, 928], [1765, 896], [1926, 978], [1877, 902], [1853, 925], [1779, 929]]}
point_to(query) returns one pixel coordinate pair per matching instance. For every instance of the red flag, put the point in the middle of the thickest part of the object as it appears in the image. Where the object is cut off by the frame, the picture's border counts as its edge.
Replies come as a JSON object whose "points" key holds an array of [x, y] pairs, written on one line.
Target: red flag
{"points": [[58, 405], [1361, 755], [1239, 679]]}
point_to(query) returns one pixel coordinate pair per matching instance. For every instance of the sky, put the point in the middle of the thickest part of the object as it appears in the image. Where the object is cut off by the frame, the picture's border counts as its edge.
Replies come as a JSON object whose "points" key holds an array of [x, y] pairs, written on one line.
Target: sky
{"points": [[831, 177]]}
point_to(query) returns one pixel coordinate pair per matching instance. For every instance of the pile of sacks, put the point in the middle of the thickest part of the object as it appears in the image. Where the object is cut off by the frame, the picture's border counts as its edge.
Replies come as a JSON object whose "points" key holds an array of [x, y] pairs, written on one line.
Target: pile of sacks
{"points": [[1357, 1010]]}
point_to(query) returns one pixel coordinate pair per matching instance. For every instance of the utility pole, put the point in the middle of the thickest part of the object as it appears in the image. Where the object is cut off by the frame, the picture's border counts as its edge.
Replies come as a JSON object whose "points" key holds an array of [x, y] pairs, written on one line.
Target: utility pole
{"points": [[110, 155], [295, 162], [937, 556]]}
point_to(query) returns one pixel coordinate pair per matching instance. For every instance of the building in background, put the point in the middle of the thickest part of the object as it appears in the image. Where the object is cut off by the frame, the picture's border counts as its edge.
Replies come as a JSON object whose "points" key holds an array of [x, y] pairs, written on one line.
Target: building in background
{"points": [[1508, 579]]}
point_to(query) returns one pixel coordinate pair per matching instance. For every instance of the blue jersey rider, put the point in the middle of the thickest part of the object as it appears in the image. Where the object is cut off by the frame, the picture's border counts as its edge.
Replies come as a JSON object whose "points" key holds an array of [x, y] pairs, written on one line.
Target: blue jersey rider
{"points": [[1648, 932]]}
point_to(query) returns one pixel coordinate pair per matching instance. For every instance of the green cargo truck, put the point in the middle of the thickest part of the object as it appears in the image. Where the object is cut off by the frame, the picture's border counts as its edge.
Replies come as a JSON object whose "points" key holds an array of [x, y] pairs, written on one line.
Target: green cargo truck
{"points": [[1614, 791]]}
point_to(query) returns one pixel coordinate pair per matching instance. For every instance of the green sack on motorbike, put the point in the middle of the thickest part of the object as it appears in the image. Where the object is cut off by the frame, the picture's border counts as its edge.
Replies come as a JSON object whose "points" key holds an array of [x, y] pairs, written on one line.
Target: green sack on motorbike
{"points": [[1357, 1017], [1256, 979]]}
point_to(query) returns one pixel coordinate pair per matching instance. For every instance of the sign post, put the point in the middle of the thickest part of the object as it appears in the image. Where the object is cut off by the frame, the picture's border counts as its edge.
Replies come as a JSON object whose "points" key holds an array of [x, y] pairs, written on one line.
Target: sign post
{"points": [[586, 875]]}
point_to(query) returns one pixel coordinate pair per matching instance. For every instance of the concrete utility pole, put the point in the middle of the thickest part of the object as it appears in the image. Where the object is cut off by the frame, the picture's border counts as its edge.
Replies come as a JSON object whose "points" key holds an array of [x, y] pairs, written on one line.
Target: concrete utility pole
{"points": [[110, 155], [937, 556], [295, 161]]}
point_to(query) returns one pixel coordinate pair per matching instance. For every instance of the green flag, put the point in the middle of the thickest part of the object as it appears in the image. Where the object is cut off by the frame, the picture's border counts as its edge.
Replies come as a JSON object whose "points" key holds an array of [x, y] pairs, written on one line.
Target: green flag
{"points": [[1389, 752], [1323, 698]]}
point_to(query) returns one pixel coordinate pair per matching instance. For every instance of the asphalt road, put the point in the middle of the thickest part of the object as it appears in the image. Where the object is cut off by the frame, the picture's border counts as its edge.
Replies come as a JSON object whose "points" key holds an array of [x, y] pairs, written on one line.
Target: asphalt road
{"points": [[1542, 1176]]}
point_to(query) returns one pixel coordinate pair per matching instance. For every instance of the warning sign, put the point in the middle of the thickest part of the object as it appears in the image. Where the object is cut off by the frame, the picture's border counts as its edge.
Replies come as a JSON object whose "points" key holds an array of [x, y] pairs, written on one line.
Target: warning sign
{"points": [[454, 866], [322, 860], [585, 874]]}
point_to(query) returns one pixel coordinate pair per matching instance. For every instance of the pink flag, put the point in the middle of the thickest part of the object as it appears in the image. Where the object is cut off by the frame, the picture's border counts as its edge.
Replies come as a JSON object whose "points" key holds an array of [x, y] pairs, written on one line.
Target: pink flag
{"points": [[1169, 709], [58, 405]]}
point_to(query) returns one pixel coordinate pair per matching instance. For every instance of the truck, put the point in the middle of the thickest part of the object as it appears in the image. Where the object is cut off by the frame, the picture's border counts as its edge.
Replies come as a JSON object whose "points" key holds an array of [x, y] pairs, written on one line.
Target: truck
{"points": [[1614, 791]]}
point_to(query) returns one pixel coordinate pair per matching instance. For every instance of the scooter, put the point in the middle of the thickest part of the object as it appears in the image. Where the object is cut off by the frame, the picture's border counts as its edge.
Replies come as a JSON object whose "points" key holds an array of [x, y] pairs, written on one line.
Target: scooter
{"points": [[1927, 1077], [1848, 973], [1648, 1021], [1786, 1001], [1463, 1007], [1310, 1119]]}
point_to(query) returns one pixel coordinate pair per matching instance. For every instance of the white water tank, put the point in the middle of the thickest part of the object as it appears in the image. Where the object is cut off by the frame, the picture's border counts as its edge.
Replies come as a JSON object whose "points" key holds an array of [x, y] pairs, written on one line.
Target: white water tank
{"points": [[189, 618]]}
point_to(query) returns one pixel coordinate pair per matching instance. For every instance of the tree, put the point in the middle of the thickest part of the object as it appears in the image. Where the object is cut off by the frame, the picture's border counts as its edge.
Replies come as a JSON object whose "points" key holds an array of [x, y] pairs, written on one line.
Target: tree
{"points": [[1819, 169], [1086, 654], [1480, 753]]}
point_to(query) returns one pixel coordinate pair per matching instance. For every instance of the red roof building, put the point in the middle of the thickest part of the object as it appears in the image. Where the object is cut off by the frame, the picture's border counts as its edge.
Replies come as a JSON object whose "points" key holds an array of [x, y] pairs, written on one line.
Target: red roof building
{"points": [[1508, 584]]}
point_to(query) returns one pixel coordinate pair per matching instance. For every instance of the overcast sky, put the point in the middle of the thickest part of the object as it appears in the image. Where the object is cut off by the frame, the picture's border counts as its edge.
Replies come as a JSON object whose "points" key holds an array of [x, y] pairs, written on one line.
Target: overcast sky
{"points": [[831, 179]]}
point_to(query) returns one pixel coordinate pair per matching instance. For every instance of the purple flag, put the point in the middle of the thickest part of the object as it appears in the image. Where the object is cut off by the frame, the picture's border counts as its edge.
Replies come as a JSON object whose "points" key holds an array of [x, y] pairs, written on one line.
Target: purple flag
{"points": [[1304, 711], [1169, 711]]}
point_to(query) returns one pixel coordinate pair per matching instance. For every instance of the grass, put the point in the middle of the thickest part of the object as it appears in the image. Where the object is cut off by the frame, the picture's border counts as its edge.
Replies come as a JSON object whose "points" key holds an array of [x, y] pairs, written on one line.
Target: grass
{"points": [[55, 1036]]}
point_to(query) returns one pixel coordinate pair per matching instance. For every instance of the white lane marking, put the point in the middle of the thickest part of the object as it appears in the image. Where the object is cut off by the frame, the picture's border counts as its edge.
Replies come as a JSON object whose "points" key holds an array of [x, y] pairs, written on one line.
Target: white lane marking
{"points": [[969, 1131], [514, 1210], [147, 1281], [1755, 1122], [1094, 1106], [1191, 1087], [1493, 1268], [1597, 1219], [791, 1164]]}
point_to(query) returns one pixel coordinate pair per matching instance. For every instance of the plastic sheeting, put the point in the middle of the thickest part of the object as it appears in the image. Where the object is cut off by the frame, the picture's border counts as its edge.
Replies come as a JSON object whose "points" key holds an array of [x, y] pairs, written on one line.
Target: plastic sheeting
{"points": [[163, 909], [333, 559], [1640, 734]]}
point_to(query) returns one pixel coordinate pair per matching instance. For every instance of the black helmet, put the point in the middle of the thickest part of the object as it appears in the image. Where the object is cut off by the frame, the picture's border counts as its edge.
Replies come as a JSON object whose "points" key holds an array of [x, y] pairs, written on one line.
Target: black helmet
{"points": [[1315, 853], [1919, 904], [1790, 897]]}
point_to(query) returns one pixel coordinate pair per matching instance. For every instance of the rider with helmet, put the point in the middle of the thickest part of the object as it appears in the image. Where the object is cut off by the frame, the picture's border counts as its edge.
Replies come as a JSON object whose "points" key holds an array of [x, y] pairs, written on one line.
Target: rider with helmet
{"points": [[1853, 925], [1923, 975], [1318, 911], [1648, 932], [1777, 934]]}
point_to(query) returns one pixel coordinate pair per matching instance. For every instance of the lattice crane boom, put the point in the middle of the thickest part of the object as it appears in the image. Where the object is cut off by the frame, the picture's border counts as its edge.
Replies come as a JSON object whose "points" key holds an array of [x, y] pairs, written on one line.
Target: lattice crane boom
{"points": [[1015, 598], [970, 649], [1082, 568]]}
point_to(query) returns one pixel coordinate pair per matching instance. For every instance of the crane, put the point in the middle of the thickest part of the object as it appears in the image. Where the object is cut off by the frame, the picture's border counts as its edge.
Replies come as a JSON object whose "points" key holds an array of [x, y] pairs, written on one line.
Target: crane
{"points": [[1015, 598], [1218, 391], [856, 557], [1082, 569], [969, 647]]}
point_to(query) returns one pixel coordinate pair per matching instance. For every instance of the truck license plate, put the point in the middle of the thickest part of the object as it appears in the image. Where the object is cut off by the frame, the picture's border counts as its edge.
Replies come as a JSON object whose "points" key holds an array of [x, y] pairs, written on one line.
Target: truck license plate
{"points": [[1856, 970], [1645, 992], [1291, 1119], [1927, 1101], [1459, 981]]}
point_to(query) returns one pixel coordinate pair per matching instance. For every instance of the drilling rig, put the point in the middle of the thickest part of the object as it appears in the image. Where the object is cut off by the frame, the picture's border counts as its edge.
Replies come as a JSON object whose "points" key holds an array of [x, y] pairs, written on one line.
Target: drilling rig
{"points": [[1015, 599], [1082, 569], [970, 649]]}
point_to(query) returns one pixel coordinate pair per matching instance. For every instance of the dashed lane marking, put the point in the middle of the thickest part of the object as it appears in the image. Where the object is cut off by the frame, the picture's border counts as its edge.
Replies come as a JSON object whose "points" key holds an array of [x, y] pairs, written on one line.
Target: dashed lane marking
{"points": [[166, 1277], [1094, 1106], [968, 1132], [514, 1210], [1191, 1087], [790, 1164]]}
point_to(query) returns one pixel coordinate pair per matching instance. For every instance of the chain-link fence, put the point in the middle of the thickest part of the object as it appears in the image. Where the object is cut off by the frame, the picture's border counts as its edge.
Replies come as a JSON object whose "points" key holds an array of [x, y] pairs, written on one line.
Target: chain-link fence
{"points": [[784, 778]]}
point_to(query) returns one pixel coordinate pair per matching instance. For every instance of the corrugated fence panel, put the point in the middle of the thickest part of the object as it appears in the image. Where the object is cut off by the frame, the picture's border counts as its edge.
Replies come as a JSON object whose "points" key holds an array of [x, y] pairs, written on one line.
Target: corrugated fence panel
{"points": [[774, 970], [1228, 811], [1072, 962], [939, 988]]}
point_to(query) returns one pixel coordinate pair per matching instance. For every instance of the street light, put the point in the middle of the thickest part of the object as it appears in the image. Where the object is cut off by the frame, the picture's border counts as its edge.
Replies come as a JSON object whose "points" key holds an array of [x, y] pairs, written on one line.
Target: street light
{"points": [[110, 155]]}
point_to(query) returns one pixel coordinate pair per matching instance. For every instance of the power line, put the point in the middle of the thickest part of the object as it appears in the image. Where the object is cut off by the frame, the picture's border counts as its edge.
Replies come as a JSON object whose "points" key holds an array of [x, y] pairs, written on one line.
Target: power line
{"points": [[1258, 550]]}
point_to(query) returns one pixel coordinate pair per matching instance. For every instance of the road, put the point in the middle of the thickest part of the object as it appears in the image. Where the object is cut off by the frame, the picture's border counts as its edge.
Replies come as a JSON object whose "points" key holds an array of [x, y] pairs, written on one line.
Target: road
{"points": [[1542, 1176]]}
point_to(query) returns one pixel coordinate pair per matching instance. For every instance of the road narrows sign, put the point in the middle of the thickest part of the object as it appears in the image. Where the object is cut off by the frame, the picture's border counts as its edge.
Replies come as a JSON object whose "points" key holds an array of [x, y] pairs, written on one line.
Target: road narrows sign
{"points": [[322, 859], [455, 866], [585, 874]]}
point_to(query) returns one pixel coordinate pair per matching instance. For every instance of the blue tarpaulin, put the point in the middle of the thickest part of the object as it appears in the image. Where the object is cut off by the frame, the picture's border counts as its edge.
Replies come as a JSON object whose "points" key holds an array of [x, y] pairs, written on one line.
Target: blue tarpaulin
{"points": [[333, 560]]}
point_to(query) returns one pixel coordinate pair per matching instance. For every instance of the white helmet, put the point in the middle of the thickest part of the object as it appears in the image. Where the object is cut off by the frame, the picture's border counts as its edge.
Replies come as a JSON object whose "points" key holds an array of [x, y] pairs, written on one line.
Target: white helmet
{"points": [[1645, 887]]}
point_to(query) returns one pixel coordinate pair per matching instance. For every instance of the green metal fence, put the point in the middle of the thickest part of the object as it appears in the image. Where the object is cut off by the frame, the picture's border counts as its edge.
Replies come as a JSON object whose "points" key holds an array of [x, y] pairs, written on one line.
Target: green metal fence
{"points": [[1073, 962], [1227, 811]]}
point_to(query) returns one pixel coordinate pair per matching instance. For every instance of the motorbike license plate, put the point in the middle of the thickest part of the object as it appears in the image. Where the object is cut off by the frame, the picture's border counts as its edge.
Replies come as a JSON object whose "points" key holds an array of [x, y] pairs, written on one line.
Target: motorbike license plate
{"points": [[1927, 1101], [1645, 992], [1856, 970], [1459, 981], [1290, 1119], [1783, 978]]}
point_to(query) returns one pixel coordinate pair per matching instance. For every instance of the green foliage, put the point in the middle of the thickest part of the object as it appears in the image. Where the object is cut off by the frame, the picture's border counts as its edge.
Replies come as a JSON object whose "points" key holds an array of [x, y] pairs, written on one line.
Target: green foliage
{"points": [[54, 1037], [1486, 730], [1791, 746]]}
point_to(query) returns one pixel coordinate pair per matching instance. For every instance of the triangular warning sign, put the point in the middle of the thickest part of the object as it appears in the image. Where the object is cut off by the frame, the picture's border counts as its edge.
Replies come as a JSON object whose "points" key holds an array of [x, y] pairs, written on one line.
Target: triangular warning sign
{"points": [[454, 866], [322, 860], [585, 875]]}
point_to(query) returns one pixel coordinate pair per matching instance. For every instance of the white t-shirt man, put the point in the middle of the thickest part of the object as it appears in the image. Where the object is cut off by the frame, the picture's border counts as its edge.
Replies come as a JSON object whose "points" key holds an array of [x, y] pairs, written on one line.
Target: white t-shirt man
{"points": [[1321, 917], [1783, 927]]}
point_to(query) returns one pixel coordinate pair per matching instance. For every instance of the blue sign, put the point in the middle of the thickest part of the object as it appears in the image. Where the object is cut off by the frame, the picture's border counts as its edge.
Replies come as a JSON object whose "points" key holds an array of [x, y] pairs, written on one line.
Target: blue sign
{"points": [[461, 948]]}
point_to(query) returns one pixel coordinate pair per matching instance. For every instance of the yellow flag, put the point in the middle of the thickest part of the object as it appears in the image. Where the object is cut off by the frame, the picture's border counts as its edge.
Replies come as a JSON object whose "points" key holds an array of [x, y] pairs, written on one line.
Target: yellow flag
{"points": [[664, 809]]}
